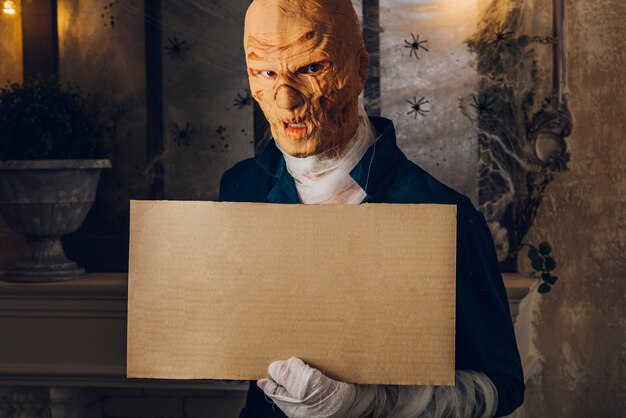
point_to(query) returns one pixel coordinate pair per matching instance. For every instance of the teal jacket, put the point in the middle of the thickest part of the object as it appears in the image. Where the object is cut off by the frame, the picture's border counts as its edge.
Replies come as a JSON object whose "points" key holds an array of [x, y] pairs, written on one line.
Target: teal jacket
{"points": [[485, 340]]}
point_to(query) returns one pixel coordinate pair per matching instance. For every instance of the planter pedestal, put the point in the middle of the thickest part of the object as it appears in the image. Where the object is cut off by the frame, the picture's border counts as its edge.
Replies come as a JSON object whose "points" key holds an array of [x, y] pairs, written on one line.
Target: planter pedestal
{"points": [[45, 262], [44, 200]]}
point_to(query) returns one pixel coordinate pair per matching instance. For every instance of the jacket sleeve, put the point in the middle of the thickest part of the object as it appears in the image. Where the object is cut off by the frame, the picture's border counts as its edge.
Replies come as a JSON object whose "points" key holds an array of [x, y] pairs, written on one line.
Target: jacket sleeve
{"points": [[485, 338]]}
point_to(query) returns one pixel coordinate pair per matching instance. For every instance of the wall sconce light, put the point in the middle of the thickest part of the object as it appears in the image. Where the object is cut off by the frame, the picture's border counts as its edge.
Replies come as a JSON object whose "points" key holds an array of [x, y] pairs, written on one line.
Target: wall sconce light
{"points": [[9, 7]]}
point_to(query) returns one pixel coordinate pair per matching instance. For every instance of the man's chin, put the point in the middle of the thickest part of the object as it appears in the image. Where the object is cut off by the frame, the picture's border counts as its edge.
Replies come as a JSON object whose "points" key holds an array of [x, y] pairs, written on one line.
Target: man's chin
{"points": [[299, 148]]}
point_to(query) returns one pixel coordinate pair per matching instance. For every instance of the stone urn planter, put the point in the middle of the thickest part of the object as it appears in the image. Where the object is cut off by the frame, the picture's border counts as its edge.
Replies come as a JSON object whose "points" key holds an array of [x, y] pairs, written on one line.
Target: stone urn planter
{"points": [[44, 200]]}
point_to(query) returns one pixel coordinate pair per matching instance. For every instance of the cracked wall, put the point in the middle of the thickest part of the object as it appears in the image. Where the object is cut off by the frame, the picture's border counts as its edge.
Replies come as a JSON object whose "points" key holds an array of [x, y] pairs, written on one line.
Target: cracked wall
{"points": [[581, 326]]}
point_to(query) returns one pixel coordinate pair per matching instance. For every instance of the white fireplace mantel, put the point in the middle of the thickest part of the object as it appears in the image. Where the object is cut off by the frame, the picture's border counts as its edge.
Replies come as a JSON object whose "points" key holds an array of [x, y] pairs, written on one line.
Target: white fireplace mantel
{"points": [[73, 333]]}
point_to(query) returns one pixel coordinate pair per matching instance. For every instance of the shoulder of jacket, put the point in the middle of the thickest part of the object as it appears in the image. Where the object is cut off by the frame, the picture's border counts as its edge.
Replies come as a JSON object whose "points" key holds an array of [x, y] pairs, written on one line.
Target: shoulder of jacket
{"points": [[245, 171], [419, 181]]}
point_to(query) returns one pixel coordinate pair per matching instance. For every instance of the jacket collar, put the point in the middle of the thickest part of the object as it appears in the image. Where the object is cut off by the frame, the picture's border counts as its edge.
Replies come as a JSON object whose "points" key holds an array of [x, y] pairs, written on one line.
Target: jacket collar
{"points": [[374, 172]]}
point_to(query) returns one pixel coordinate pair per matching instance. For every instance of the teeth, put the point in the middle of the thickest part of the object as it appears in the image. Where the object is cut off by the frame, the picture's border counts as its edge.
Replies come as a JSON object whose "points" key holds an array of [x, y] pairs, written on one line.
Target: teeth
{"points": [[297, 125]]}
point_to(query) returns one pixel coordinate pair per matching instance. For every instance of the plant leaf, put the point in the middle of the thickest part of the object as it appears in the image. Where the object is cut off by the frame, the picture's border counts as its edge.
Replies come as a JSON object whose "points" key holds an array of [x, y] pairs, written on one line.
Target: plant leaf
{"points": [[545, 248], [550, 279], [533, 253], [537, 263], [544, 288]]}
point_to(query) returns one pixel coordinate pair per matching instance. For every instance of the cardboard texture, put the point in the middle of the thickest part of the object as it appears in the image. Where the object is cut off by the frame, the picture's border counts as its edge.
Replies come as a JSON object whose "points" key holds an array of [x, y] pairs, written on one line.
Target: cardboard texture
{"points": [[365, 293]]}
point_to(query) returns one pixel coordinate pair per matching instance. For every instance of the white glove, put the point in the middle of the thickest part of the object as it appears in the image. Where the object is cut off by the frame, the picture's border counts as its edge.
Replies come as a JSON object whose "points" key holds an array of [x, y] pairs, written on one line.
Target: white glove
{"points": [[302, 391]]}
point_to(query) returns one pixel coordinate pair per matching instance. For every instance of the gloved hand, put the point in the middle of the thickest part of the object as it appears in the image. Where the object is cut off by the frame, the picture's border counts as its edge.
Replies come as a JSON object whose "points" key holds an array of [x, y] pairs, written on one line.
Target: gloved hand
{"points": [[302, 391]]}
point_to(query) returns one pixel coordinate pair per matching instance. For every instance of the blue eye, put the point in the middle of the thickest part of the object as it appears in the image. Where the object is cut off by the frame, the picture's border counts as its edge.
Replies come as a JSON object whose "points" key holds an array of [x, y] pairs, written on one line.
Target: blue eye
{"points": [[314, 68], [268, 73]]}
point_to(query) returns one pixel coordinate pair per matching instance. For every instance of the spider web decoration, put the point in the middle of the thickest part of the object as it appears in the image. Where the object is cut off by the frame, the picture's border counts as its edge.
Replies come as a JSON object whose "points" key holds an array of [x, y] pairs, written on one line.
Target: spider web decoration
{"points": [[243, 100], [177, 48], [417, 107], [514, 125], [483, 105], [415, 45], [182, 136], [501, 35], [422, 51]]}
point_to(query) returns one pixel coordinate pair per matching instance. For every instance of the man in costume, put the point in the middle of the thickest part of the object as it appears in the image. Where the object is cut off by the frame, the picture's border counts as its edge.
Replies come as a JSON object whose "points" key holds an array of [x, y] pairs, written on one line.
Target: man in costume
{"points": [[307, 64]]}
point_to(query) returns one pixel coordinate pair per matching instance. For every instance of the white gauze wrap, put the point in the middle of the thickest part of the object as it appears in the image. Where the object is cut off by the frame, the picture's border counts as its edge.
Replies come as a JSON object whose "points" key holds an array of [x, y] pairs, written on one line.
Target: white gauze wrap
{"points": [[474, 395], [325, 177]]}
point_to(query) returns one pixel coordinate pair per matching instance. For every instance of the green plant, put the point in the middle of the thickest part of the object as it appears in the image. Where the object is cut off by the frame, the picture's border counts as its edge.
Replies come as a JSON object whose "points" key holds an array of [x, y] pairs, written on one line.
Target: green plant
{"points": [[41, 119], [544, 264]]}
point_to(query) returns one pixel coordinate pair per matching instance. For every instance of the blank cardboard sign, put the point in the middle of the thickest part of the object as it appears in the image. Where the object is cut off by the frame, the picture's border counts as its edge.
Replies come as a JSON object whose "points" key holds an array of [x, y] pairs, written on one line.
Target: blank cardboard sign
{"points": [[365, 293]]}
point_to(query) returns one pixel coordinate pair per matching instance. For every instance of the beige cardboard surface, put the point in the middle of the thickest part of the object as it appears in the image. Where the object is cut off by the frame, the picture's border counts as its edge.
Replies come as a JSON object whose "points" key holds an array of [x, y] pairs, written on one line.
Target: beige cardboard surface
{"points": [[366, 293]]}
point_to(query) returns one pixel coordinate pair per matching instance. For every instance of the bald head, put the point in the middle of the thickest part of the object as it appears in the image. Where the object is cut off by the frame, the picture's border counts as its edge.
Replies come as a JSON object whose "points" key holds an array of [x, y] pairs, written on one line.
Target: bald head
{"points": [[307, 65], [331, 18]]}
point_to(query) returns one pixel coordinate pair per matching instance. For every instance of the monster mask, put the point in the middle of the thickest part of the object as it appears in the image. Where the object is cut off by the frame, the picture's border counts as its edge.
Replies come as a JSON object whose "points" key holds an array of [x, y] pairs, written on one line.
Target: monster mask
{"points": [[307, 65]]}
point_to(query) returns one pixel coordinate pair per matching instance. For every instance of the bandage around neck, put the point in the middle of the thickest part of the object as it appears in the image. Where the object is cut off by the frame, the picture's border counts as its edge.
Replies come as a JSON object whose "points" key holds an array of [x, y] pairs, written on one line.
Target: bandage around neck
{"points": [[325, 178]]}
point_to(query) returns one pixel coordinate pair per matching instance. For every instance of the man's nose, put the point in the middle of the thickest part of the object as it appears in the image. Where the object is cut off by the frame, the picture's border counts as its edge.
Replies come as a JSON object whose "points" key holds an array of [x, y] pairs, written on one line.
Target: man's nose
{"points": [[288, 98]]}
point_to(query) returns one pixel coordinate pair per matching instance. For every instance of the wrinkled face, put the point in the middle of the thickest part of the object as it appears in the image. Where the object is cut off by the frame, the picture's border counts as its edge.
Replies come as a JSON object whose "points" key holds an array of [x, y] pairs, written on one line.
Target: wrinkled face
{"points": [[306, 70]]}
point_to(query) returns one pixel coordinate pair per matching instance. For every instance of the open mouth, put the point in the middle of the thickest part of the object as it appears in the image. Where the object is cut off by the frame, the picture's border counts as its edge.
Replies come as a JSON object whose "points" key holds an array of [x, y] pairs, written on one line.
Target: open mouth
{"points": [[295, 128]]}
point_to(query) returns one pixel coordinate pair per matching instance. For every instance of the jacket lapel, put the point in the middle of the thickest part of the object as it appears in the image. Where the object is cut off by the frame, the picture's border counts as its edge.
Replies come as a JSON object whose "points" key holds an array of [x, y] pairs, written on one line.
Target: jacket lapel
{"points": [[284, 191], [377, 169]]}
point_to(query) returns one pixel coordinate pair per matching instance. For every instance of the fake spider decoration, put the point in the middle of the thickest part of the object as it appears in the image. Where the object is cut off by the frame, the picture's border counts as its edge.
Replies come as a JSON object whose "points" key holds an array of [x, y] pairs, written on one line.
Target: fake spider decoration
{"points": [[415, 45], [243, 100], [182, 136], [482, 105], [417, 107], [501, 35], [177, 48]]}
